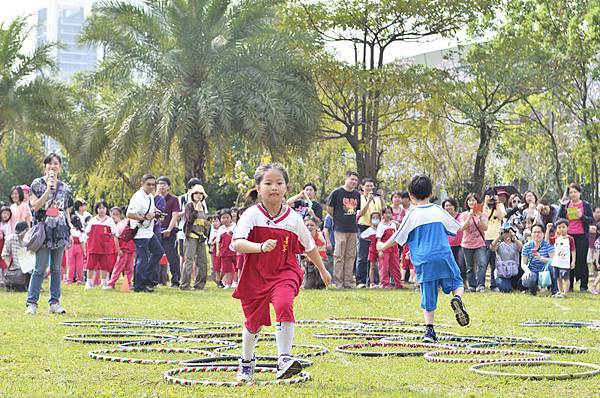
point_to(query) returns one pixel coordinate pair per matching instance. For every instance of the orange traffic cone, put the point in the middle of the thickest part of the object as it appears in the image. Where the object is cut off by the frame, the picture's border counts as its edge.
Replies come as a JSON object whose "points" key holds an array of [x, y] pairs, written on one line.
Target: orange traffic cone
{"points": [[125, 285]]}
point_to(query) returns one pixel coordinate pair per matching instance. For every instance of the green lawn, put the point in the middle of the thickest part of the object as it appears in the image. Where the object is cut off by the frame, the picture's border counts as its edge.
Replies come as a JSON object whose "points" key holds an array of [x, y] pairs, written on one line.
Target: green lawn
{"points": [[35, 361]]}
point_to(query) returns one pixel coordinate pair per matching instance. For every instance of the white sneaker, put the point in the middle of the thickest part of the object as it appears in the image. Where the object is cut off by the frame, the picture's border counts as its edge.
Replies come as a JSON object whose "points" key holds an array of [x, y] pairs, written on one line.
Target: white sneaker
{"points": [[245, 372], [88, 285], [56, 308], [31, 309], [287, 367], [234, 285], [107, 287]]}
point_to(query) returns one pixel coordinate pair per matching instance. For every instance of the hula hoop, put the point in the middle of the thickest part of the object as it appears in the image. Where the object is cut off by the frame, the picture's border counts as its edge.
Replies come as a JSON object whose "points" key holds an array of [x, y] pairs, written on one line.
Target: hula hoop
{"points": [[558, 324], [170, 377], [200, 324], [366, 319], [233, 336], [218, 343], [559, 376], [95, 338], [86, 323], [349, 349], [319, 350], [536, 347], [458, 341], [404, 329], [436, 356], [234, 361], [351, 336], [132, 328], [102, 355]]}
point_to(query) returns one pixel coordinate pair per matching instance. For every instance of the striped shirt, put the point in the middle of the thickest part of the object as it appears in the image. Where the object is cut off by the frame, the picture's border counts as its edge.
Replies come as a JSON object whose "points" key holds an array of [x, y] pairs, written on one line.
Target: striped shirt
{"points": [[544, 250], [11, 247]]}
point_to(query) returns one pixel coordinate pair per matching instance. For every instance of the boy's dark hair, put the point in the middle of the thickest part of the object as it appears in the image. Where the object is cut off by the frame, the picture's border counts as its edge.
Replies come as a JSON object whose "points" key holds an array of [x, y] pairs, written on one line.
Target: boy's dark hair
{"points": [[420, 187], [543, 227], [386, 208], [375, 213], [367, 179], [312, 219], [99, 203], [452, 202], [147, 177], [561, 221], [404, 195], [310, 184], [352, 173], [164, 179]]}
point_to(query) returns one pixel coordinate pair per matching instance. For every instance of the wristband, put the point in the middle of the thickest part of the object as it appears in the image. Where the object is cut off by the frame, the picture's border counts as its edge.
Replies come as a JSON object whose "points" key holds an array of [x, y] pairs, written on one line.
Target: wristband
{"points": [[261, 247]]}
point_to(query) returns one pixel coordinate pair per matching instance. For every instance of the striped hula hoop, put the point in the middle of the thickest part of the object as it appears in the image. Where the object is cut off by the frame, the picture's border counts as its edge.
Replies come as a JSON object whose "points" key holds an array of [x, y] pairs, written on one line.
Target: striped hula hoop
{"points": [[351, 349], [103, 355], [595, 370], [442, 356], [170, 376]]}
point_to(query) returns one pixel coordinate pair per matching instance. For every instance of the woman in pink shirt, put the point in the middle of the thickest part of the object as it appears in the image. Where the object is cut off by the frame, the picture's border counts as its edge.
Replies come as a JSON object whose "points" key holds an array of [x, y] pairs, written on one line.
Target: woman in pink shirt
{"points": [[474, 224], [451, 206], [20, 207], [580, 216]]}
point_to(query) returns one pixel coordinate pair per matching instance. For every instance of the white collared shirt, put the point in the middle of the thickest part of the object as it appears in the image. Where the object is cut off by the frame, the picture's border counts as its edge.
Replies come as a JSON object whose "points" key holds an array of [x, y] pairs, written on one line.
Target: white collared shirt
{"points": [[139, 203]]}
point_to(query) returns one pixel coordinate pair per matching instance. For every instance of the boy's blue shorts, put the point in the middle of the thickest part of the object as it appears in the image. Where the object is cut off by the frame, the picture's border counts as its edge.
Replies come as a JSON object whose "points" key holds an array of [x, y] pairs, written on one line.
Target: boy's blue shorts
{"points": [[429, 291]]}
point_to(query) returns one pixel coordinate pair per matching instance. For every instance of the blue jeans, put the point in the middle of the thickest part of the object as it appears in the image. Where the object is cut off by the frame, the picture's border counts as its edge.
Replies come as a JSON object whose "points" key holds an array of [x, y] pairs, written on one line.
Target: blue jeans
{"points": [[42, 257], [490, 258], [362, 257], [147, 257], [504, 284], [170, 246], [531, 283], [475, 264]]}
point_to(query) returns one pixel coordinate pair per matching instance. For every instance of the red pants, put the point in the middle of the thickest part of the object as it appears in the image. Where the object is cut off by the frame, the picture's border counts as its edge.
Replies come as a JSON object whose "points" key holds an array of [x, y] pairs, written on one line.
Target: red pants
{"points": [[227, 264], [124, 265], [389, 264], [75, 263], [256, 311], [101, 262]]}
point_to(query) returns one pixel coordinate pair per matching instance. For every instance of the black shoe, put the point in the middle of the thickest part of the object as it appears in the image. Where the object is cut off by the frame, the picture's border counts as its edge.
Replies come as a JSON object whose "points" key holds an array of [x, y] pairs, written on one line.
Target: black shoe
{"points": [[462, 317], [149, 289], [174, 286], [430, 336]]}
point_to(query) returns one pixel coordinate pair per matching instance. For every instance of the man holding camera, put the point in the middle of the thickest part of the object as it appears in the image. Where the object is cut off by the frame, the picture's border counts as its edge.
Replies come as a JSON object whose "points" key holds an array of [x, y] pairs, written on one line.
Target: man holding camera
{"points": [[141, 213], [168, 233]]}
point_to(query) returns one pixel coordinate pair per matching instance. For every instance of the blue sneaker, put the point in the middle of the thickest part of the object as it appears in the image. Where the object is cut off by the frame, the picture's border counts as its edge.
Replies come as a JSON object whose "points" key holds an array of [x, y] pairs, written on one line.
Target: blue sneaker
{"points": [[430, 336], [246, 370]]}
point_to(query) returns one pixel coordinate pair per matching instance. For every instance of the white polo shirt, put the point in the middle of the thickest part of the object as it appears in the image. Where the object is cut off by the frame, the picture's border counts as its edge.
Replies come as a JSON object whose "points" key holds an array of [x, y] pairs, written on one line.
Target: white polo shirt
{"points": [[139, 203]]}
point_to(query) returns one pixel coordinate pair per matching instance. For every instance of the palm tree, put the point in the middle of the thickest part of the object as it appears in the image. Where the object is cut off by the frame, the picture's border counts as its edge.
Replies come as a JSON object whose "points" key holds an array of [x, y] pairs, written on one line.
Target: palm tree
{"points": [[191, 75], [29, 102]]}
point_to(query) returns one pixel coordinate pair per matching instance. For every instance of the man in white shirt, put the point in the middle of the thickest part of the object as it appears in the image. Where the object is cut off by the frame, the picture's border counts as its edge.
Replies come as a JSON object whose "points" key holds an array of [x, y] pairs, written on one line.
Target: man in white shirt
{"points": [[148, 249]]}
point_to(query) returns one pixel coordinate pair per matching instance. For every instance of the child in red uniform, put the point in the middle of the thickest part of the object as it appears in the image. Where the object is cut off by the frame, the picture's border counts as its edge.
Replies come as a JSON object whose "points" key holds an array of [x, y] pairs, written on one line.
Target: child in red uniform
{"points": [[271, 235], [126, 259], [312, 279], [370, 234], [389, 259], [101, 244], [76, 253], [224, 253]]}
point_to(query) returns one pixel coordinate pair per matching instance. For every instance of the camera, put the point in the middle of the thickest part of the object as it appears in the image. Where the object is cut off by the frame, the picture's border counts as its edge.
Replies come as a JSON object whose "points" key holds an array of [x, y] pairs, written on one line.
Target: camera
{"points": [[159, 214]]}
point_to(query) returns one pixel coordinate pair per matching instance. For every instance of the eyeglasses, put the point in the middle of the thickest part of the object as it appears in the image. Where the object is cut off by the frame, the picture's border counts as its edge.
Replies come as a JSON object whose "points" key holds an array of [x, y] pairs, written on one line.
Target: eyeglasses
{"points": [[516, 201]]}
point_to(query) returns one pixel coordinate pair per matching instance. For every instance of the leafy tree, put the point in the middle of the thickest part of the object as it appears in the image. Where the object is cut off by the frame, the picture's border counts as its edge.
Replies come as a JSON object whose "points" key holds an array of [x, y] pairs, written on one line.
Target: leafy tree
{"points": [[190, 75], [363, 99], [29, 102]]}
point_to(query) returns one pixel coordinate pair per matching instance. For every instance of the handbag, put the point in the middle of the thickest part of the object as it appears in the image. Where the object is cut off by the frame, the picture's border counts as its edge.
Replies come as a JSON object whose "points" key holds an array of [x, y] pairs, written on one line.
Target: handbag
{"points": [[15, 279], [544, 277], [34, 238], [129, 233]]}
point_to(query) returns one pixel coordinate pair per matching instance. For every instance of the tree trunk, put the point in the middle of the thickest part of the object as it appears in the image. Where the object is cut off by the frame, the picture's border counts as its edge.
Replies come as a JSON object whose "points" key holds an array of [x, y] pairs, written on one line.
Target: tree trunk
{"points": [[483, 150], [198, 164], [557, 165]]}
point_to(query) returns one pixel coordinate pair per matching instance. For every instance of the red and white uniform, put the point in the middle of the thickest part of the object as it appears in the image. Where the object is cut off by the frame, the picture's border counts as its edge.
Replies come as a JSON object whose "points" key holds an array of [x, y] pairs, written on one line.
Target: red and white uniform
{"points": [[124, 264], [370, 234], [75, 257], [100, 244], [227, 257], [274, 277], [389, 264]]}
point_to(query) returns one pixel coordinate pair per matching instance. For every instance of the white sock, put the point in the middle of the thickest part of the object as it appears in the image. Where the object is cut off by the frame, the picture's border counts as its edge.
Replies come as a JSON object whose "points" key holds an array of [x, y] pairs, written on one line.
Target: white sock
{"points": [[284, 333], [248, 344]]}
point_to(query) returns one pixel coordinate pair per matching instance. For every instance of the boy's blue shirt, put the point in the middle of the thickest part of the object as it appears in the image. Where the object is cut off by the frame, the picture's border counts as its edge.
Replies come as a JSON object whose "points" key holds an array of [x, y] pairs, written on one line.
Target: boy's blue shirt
{"points": [[425, 229]]}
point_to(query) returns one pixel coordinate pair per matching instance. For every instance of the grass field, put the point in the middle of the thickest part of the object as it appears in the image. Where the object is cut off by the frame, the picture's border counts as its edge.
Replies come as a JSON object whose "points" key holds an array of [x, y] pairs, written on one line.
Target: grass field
{"points": [[35, 361]]}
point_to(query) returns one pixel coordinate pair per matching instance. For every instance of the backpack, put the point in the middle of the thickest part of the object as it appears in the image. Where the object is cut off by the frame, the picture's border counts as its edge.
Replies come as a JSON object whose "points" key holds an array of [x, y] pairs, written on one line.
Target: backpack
{"points": [[506, 269]]}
